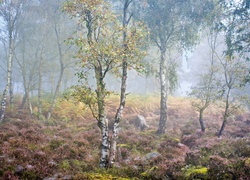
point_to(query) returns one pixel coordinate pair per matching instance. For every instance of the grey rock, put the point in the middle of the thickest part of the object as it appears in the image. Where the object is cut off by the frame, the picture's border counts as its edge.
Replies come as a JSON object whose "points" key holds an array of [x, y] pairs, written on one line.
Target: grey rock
{"points": [[19, 169], [140, 122], [151, 155], [50, 178], [67, 177]]}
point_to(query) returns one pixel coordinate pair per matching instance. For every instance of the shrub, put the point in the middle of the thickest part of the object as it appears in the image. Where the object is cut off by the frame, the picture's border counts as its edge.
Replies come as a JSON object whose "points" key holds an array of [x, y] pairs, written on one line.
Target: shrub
{"points": [[219, 168], [195, 172]]}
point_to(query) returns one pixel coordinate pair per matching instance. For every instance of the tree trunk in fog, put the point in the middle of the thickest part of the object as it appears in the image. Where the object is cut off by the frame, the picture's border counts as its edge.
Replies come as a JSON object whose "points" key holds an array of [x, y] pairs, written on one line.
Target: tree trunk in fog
{"points": [[40, 76], [201, 120], [9, 73], [25, 98], [11, 92], [39, 95], [164, 92], [26, 83], [60, 76], [23, 101], [202, 109], [226, 113], [113, 145], [27, 92]]}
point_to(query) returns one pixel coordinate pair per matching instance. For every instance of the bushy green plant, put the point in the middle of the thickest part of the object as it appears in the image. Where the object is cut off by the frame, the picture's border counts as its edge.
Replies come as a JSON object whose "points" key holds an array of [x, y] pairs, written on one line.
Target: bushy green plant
{"points": [[149, 173], [64, 164], [94, 176], [195, 172]]}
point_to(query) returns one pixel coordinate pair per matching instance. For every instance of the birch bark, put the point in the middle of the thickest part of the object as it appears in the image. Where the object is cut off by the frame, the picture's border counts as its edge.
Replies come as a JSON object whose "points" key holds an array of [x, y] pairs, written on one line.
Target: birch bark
{"points": [[164, 92], [102, 119], [113, 146], [9, 70]]}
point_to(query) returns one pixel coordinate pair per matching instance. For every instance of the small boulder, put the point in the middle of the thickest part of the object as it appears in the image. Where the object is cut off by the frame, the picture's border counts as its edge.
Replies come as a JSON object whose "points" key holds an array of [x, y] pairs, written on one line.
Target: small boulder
{"points": [[150, 156], [67, 177], [140, 122], [19, 170]]}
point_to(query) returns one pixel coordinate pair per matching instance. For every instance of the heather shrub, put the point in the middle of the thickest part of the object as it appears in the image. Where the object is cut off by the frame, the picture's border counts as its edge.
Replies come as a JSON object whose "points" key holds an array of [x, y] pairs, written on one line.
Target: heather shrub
{"points": [[56, 143], [241, 168], [241, 147], [69, 144], [168, 169], [170, 148], [219, 168], [190, 127], [195, 158], [29, 174], [127, 172], [189, 140]]}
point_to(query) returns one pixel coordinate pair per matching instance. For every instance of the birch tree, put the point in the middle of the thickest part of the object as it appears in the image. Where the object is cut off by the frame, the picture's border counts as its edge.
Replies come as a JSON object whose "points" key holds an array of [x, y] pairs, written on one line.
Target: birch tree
{"points": [[173, 25], [32, 51], [132, 54], [208, 88], [104, 46], [95, 52], [233, 69], [59, 24], [10, 12]]}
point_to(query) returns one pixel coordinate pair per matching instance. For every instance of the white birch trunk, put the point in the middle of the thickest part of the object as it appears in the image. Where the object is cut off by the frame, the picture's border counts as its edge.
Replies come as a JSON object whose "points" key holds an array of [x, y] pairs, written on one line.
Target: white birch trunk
{"points": [[102, 120], [9, 70], [113, 145], [164, 93], [103, 124]]}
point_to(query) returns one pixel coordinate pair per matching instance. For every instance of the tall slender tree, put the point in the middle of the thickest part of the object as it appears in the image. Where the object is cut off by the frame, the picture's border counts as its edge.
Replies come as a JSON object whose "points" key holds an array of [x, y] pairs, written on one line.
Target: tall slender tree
{"points": [[35, 48], [104, 48], [58, 21], [10, 12], [97, 51], [234, 69], [208, 88], [173, 25], [132, 53]]}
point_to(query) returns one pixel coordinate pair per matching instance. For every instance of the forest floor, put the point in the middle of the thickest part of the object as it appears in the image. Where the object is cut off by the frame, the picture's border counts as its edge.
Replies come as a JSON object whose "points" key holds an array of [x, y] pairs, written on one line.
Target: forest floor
{"points": [[68, 145]]}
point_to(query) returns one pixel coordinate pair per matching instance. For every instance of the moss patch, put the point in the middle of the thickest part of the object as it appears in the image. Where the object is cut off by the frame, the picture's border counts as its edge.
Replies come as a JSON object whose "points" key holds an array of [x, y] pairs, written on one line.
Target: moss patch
{"points": [[195, 172]]}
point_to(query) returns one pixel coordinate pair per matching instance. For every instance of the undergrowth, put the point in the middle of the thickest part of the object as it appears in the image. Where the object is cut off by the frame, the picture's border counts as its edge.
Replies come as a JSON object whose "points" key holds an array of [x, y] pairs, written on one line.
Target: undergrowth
{"points": [[68, 145]]}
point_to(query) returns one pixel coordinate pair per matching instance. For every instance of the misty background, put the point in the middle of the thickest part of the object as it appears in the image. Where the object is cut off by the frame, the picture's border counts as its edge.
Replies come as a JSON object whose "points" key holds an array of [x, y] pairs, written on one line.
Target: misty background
{"points": [[43, 27]]}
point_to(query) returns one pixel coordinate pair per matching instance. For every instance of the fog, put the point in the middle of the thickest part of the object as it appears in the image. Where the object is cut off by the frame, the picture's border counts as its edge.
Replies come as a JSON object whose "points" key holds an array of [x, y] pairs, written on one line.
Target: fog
{"points": [[130, 89], [192, 64]]}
